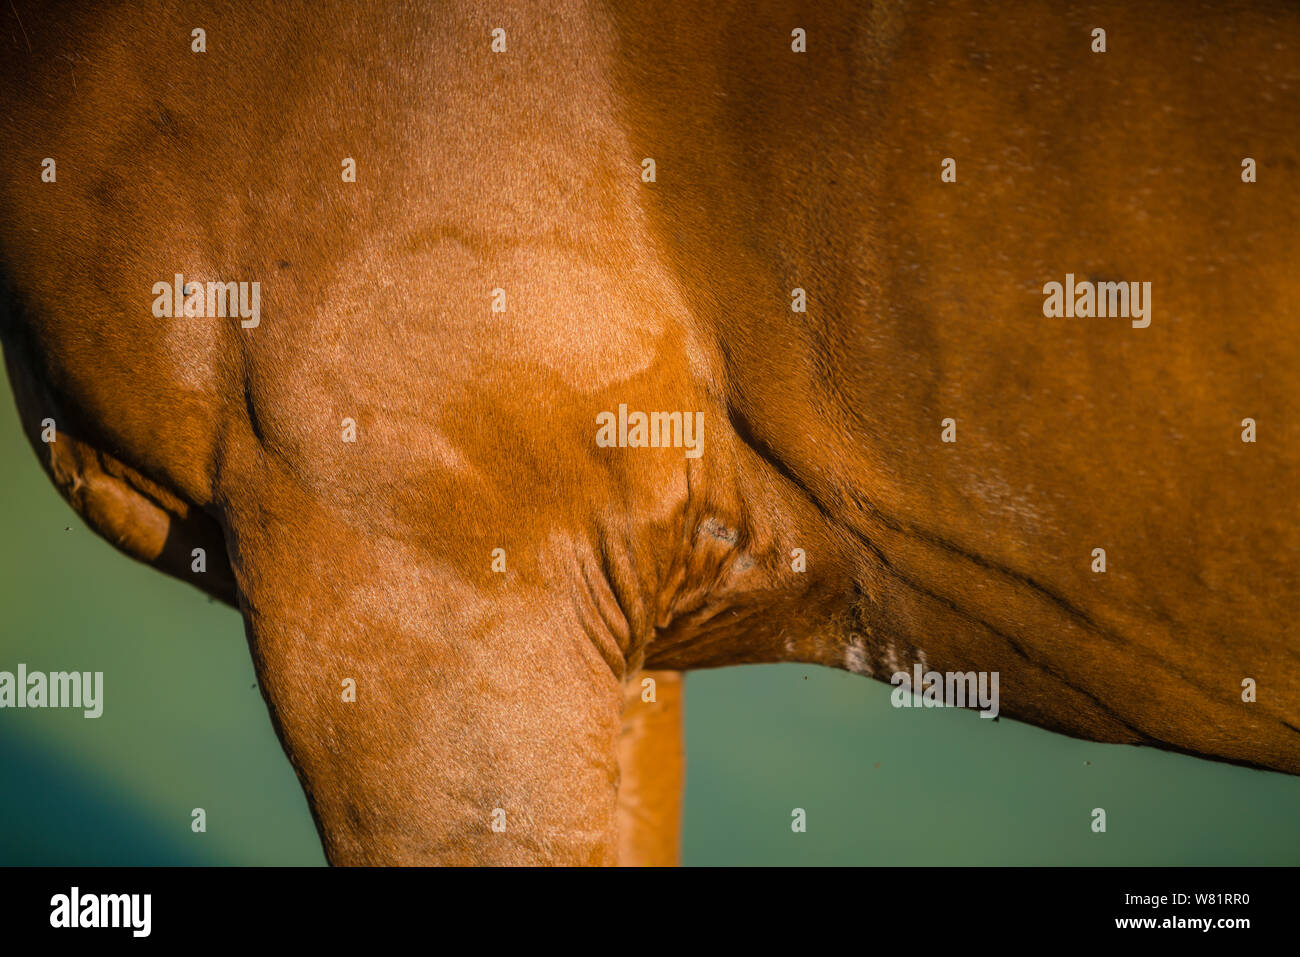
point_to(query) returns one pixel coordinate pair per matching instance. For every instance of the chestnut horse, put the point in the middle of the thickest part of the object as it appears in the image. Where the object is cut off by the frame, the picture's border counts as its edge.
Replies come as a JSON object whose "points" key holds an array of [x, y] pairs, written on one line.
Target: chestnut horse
{"points": [[505, 360]]}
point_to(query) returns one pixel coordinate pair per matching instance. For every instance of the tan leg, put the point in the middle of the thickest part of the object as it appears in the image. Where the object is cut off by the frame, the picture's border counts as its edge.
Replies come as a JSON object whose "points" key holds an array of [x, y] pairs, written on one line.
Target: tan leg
{"points": [[651, 760], [431, 719]]}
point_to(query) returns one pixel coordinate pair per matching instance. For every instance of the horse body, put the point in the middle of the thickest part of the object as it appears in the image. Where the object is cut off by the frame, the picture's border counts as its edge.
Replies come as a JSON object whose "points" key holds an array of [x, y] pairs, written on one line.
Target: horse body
{"points": [[395, 472]]}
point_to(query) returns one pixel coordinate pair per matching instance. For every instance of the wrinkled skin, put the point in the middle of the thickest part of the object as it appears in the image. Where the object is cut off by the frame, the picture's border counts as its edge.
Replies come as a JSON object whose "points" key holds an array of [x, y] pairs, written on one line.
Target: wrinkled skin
{"points": [[480, 690]]}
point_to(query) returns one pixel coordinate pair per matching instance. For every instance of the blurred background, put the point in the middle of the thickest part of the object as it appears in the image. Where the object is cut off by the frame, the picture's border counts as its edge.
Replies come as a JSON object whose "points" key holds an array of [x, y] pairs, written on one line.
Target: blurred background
{"points": [[184, 727]]}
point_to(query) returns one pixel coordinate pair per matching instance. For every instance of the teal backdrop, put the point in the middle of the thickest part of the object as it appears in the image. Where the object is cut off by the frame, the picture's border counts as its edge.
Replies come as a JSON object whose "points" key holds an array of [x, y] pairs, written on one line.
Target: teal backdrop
{"points": [[184, 727]]}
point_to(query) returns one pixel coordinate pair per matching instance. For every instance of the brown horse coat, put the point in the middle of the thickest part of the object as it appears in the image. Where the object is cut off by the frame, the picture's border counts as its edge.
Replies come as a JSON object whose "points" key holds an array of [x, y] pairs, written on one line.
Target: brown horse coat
{"points": [[402, 466]]}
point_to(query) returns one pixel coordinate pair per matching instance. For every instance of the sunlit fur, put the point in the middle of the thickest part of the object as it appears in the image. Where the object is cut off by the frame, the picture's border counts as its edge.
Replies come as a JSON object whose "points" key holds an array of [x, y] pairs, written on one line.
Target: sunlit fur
{"points": [[521, 170]]}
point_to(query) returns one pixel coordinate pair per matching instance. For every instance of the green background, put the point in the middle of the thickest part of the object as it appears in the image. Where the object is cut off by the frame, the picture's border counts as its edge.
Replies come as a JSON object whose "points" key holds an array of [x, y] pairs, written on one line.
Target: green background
{"points": [[184, 727]]}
